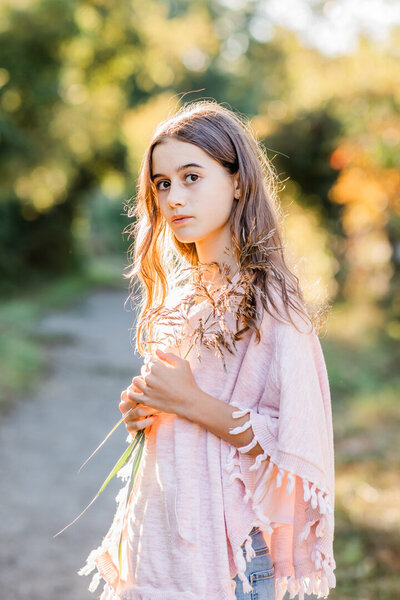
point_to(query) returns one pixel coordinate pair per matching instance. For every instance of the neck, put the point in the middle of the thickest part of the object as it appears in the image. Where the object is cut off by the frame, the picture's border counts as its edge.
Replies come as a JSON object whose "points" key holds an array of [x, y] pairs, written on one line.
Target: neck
{"points": [[216, 250]]}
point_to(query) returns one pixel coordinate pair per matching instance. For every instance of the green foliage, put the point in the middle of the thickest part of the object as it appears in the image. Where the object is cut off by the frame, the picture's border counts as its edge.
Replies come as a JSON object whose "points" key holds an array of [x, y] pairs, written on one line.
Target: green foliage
{"points": [[31, 249], [305, 144]]}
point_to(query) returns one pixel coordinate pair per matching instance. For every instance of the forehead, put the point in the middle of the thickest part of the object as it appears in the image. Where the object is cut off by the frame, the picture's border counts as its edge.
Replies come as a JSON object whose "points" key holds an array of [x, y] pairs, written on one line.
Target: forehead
{"points": [[169, 155]]}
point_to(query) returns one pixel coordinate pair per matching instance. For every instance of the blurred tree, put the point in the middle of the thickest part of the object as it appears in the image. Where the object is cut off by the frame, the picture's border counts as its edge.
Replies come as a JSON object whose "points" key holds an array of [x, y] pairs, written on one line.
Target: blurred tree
{"points": [[83, 83], [336, 135], [69, 71]]}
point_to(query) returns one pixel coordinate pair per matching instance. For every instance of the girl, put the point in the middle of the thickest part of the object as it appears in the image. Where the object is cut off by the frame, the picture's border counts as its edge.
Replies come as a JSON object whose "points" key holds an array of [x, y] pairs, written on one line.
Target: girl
{"points": [[235, 494]]}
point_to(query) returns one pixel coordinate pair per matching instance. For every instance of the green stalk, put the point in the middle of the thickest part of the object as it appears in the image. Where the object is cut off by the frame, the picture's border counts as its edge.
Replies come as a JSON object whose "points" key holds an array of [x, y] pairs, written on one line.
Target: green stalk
{"points": [[135, 468], [107, 436], [118, 465]]}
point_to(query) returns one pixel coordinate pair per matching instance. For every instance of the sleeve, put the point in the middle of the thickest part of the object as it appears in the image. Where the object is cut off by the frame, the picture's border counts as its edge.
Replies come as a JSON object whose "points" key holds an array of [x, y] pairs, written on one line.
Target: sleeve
{"points": [[291, 483]]}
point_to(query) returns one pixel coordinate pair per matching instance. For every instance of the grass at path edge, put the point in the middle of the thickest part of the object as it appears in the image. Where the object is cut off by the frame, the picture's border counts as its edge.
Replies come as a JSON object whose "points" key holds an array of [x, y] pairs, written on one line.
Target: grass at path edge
{"points": [[22, 352]]}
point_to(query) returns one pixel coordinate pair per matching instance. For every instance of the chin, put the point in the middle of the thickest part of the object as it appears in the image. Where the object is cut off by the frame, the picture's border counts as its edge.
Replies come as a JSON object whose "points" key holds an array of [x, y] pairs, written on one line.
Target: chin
{"points": [[186, 239]]}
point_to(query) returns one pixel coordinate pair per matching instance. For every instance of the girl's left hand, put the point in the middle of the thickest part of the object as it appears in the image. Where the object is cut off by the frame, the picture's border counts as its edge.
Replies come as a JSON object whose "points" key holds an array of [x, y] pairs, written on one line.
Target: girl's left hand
{"points": [[168, 386]]}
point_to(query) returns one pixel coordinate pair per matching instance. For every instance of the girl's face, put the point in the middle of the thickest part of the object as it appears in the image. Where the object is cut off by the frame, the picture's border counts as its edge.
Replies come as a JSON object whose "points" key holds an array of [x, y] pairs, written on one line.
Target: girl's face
{"points": [[191, 183]]}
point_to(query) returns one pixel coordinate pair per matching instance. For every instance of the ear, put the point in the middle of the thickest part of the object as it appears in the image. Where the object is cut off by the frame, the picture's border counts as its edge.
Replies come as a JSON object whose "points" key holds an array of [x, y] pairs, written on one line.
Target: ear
{"points": [[236, 186]]}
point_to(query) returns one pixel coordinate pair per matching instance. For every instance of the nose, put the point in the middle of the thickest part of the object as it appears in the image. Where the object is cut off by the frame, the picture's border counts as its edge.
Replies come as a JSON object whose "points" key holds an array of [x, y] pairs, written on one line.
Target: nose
{"points": [[176, 196]]}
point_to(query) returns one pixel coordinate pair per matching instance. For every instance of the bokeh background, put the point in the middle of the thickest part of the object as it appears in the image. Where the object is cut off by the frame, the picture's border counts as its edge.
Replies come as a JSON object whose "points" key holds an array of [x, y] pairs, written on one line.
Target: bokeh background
{"points": [[82, 86]]}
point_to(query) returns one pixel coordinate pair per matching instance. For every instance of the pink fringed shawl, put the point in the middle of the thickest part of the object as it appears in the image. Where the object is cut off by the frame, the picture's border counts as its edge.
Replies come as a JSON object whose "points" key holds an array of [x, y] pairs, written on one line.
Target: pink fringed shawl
{"points": [[288, 490], [292, 491]]}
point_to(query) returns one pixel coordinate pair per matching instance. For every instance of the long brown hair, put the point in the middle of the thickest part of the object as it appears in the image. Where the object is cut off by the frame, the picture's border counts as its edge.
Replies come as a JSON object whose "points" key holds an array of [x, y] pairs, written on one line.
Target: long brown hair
{"points": [[158, 258]]}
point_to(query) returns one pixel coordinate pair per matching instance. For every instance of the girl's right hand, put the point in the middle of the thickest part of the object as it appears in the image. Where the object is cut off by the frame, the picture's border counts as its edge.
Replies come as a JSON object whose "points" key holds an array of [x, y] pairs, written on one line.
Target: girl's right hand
{"points": [[139, 417]]}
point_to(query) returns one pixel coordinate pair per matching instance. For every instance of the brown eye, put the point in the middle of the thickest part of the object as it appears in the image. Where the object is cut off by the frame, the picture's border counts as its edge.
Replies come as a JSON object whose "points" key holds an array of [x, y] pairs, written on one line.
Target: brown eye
{"points": [[186, 176], [158, 185], [192, 175]]}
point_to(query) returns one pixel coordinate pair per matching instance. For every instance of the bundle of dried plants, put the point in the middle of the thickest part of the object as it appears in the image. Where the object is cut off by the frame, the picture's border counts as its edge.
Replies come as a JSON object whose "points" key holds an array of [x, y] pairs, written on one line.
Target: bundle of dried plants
{"points": [[236, 294]]}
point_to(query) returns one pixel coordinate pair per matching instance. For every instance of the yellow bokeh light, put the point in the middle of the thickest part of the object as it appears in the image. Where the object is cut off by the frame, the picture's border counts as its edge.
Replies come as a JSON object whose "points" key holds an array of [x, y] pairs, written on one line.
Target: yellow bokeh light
{"points": [[108, 99], [372, 250], [87, 17], [262, 126], [308, 255], [76, 94], [393, 330], [11, 100], [138, 125], [42, 198], [79, 142], [113, 184], [79, 52], [4, 77], [42, 187]]}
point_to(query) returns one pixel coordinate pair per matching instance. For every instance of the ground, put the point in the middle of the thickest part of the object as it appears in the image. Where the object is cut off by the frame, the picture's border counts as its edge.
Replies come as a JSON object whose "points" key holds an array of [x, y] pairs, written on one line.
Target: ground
{"points": [[46, 437]]}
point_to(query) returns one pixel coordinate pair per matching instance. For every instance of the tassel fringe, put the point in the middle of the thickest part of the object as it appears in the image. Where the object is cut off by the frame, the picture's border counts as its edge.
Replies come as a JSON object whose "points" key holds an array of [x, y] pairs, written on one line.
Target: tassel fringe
{"points": [[110, 540], [108, 593], [240, 562], [322, 578]]}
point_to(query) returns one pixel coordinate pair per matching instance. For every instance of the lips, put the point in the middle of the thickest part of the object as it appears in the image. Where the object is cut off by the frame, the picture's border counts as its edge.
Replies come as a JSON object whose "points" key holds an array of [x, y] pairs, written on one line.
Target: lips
{"points": [[179, 218]]}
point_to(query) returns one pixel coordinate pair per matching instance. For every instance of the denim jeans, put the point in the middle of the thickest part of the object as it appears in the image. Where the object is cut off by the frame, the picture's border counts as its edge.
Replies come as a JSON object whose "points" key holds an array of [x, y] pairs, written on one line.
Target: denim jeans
{"points": [[260, 571]]}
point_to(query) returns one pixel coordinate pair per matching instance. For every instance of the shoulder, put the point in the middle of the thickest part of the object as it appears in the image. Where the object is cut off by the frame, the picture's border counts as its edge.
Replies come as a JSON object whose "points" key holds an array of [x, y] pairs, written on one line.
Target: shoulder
{"points": [[285, 320]]}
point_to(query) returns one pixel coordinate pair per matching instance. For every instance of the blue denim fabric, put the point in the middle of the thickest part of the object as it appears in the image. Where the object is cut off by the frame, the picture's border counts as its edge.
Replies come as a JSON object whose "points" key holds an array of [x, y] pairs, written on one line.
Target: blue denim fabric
{"points": [[260, 571]]}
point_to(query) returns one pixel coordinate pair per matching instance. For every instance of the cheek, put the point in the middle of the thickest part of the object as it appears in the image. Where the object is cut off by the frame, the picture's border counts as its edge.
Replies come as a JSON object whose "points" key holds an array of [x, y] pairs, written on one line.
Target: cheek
{"points": [[162, 205], [216, 208]]}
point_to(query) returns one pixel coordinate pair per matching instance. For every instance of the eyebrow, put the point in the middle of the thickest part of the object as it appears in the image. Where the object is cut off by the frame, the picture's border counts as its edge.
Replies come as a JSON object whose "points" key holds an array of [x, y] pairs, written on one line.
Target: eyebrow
{"points": [[153, 177]]}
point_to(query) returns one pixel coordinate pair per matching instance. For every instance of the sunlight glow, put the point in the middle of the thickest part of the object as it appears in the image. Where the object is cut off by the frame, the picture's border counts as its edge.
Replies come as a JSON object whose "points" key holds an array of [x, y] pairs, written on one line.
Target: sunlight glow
{"points": [[334, 29]]}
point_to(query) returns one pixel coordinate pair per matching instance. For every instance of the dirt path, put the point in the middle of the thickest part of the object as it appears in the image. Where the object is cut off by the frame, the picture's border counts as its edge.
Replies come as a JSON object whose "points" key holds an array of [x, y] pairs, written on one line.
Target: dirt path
{"points": [[47, 436]]}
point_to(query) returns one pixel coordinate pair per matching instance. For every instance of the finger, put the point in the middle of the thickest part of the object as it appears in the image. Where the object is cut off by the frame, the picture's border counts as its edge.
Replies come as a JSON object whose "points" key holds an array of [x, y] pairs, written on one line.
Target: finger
{"points": [[145, 411], [138, 385], [124, 396], [142, 424], [133, 385], [125, 399], [138, 398], [126, 406], [140, 411], [168, 357]]}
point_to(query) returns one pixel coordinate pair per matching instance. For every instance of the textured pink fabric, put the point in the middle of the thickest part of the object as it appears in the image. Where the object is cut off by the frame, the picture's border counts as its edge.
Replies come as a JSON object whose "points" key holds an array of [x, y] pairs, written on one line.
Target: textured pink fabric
{"points": [[197, 497]]}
